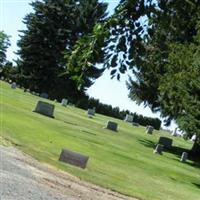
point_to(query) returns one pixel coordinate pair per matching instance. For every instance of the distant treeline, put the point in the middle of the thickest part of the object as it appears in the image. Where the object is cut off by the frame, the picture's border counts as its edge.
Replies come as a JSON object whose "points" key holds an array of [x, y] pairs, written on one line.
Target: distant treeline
{"points": [[115, 112]]}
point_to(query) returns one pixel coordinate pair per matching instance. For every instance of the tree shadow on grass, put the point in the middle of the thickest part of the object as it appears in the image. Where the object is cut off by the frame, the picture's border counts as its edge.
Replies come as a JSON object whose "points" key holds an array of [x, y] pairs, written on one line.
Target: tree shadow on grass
{"points": [[197, 185], [147, 143]]}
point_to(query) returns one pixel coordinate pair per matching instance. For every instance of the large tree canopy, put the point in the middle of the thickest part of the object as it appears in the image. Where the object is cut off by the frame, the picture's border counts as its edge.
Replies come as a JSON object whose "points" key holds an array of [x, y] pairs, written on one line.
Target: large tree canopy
{"points": [[158, 42], [53, 29], [4, 44]]}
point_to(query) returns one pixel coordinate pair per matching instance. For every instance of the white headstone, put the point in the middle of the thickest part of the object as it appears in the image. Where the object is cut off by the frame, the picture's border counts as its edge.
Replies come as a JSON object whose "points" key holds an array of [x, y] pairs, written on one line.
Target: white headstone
{"points": [[64, 102], [158, 149], [193, 138], [128, 118], [184, 157]]}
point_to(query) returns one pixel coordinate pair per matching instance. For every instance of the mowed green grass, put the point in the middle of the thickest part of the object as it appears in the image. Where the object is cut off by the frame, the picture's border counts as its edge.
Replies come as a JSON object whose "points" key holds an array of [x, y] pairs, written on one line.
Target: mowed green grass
{"points": [[122, 161]]}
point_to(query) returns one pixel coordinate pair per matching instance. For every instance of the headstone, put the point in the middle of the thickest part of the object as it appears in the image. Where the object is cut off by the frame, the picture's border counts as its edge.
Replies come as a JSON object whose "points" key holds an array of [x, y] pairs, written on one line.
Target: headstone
{"points": [[28, 90], [64, 102], [166, 142], [13, 85], [149, 130], [44, 95], [73, 158], [184, 157], [174, 133], [128, 118], [111, 126], [2, 78], [158, 149], [135, 124], [91, 112], [45, 108], [193, 138]]}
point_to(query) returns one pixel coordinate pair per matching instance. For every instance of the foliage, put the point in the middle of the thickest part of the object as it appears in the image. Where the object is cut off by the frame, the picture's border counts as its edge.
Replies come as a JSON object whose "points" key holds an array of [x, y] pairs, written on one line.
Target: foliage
{"points": [[4, 44], [52, 30]]}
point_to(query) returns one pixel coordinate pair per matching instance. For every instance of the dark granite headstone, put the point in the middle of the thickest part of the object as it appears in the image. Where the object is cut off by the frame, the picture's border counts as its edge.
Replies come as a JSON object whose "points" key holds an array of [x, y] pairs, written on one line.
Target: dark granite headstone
{"points": [[166, 142], [45, 108], [158, 149], [184, 157], [73, 158], [111, 126]]}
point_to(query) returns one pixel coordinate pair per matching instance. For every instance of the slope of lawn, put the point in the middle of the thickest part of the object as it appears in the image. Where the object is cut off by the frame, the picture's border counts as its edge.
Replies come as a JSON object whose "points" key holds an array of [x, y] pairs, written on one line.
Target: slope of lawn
{"points": [[122, 161]]}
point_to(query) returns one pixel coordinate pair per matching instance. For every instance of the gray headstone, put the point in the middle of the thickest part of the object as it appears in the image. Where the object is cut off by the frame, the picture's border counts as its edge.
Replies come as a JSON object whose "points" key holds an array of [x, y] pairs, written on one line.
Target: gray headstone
{"points": [[2, 78], [158, 149], [149, 130], [166, 142], [64, 102], [184, 157], [111, 126], [91, 112], [135, 124], [128, 118], [45, 108], [174, 133], [44, 95], [13, 85], [73, 158]]}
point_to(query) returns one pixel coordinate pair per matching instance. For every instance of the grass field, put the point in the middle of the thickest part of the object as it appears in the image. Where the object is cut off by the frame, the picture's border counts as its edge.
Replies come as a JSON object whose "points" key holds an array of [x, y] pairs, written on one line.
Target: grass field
{"points": [[122, 161]]}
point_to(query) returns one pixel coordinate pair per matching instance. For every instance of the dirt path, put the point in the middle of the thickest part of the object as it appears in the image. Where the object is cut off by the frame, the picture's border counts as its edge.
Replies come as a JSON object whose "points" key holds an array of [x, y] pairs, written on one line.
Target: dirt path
{"points": [[23, 178]]}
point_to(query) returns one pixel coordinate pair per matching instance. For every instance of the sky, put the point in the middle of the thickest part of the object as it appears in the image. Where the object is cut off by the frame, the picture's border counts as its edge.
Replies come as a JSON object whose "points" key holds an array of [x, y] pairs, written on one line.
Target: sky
{"points": [[108, 91]]}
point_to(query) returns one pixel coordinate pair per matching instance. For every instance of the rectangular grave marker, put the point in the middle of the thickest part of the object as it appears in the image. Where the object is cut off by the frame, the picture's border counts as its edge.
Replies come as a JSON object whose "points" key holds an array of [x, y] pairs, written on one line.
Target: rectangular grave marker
{"points": [[111, 126], [45, 108], [166, 142], [73, 158], [64, 102]]}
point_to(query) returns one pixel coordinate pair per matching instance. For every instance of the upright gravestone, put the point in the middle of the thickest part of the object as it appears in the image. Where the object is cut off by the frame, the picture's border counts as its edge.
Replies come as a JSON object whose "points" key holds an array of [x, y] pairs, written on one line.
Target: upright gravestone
{"points": [[64, 102], [13, 85], [149, 130], [128, 118], [174, 133], [91, 112], [45, 108], [166, 142], [73, 158], [44, 95], [111, 126], [158, 149], [184, 157]]}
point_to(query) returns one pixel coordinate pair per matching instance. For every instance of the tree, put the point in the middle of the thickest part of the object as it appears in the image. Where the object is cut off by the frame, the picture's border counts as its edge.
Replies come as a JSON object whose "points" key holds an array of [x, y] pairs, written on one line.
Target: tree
{"points": [[4, 44], [145, 37], [52, 31]]}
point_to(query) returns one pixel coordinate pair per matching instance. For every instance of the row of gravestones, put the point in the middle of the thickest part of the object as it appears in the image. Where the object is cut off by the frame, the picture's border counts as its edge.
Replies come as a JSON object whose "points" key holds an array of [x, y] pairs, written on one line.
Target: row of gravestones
{"points": [[165, 142], [66, 155]]}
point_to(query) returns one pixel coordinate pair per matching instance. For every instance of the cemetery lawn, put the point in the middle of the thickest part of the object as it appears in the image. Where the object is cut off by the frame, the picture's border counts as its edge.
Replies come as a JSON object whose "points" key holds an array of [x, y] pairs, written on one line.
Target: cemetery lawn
{"points": [[121, 161]]}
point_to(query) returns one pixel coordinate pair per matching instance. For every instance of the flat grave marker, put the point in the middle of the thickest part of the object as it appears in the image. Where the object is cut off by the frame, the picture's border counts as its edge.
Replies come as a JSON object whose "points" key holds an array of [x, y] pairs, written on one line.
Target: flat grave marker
{"points": [[73, 158]]}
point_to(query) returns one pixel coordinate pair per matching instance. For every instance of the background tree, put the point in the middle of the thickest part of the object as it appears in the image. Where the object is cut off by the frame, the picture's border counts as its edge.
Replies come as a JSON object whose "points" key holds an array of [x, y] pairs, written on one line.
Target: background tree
{"points": [[4, 44], [142, 38], [52, 30]]}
